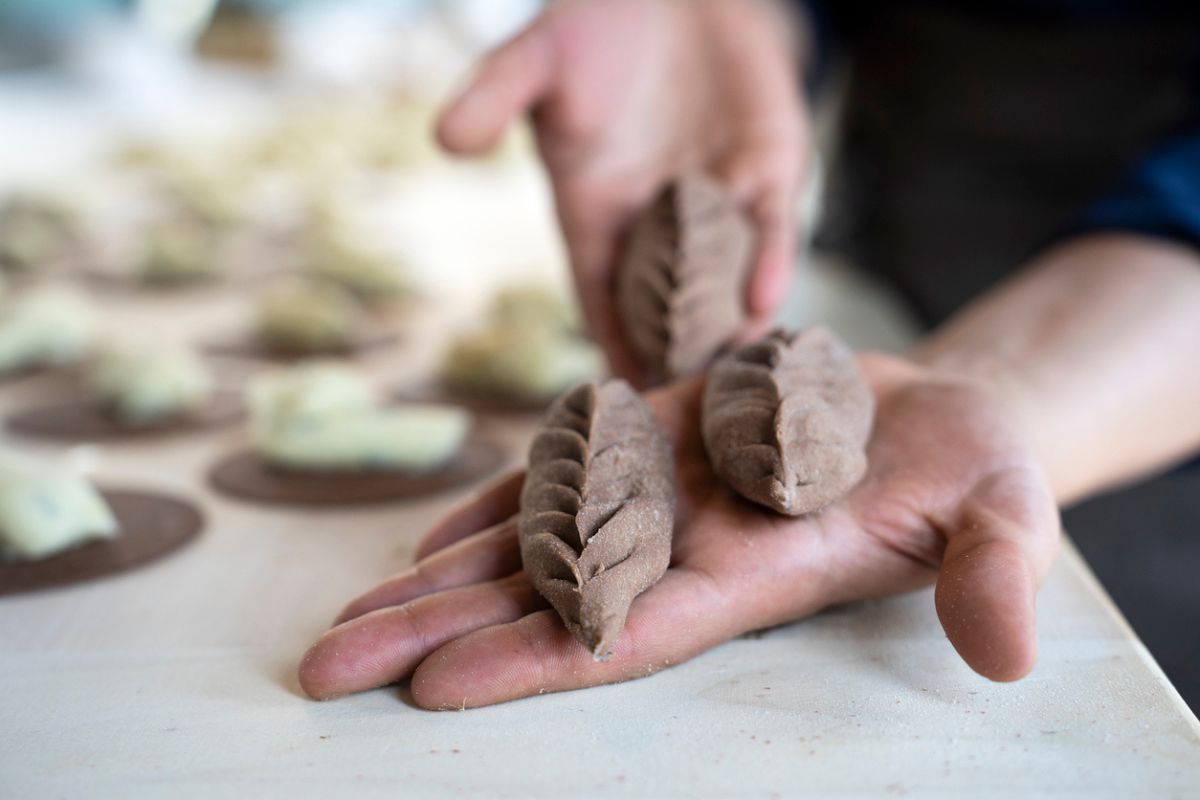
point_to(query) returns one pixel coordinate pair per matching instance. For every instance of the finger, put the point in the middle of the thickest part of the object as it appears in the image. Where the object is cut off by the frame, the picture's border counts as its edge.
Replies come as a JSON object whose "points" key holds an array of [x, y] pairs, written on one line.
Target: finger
{"points": [[493, 505], [677, 619], [384, 646], [485, 556], [762, 177], [996, 557], [510, 81], [774, 262]]}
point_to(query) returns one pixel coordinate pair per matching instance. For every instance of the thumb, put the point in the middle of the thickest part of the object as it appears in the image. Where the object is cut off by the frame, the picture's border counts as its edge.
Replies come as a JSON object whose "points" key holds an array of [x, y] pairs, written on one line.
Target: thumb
{"points": [[763, 179], [996, 557], [510, 81], [775, 261]]}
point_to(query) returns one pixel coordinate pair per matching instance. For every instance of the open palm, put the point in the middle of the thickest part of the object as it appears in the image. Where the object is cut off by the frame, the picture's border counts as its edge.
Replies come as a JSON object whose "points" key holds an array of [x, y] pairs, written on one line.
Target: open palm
{"points": [[950, 494]]}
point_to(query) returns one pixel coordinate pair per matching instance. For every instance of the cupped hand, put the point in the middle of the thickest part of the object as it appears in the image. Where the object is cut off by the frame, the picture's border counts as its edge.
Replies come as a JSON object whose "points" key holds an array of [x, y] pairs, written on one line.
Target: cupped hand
{"points": [[626, 94], [951, 494]]}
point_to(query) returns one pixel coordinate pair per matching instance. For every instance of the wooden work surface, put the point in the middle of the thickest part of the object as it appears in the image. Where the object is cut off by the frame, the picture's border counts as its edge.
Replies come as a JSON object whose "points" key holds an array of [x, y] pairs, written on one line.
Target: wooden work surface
{"points": [[179, 680]]}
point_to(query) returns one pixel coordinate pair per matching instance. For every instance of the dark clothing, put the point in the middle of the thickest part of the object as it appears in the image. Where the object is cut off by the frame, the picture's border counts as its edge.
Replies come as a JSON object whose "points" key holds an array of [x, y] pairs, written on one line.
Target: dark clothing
{"points": [[975, 134], [970, 140]]}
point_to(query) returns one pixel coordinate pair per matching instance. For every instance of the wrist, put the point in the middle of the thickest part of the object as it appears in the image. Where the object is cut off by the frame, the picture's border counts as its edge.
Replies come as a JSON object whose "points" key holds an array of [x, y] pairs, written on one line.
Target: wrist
{"points": [[1085, 352], [759, 21], [999, 378], [990, 399], [998, 384], [799, 28], [977, 404]]}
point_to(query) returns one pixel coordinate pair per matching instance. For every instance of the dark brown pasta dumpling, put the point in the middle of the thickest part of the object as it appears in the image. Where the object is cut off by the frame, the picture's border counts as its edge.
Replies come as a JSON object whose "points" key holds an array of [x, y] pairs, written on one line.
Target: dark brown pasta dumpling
{"points": [[597, 509], [681, 285], [786, 420]]}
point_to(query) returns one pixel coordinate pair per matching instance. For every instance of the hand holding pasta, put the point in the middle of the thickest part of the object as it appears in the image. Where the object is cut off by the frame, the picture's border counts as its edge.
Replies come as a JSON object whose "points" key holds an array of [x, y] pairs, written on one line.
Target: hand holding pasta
{"points": [[625, 96], [467, 627]]}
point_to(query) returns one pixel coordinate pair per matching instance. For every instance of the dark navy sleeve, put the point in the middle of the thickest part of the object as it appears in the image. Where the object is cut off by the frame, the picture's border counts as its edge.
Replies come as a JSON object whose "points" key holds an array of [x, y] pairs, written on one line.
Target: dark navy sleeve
{"points": [[1159, 197]]}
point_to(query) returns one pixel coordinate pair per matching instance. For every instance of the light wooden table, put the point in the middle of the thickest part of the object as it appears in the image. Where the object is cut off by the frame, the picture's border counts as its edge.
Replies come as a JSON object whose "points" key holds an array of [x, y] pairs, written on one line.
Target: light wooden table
{"points": [[179, 680]]}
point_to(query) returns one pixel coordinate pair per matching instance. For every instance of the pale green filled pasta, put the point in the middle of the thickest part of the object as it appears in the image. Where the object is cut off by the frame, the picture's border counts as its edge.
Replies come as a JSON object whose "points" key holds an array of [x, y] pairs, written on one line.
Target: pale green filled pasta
{"points": [[530, 347], [179, 252], [44, 512], [35, 233], [141, 385], [535, 304], [327, 417], [367, 275], [307, 316], [520, 360], [47, 327], [205, 194]]}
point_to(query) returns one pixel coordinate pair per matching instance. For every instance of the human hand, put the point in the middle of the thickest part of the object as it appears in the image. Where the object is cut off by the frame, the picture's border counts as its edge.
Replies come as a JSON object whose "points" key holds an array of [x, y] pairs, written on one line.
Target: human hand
{"points": [[951, 494], [627, 94]]}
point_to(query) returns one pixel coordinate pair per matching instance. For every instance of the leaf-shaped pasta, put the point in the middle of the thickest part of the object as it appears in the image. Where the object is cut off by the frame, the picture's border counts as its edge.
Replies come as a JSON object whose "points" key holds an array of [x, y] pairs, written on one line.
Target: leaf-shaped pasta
{"points": [[786, 420], [597, 509], [681, 285]]}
